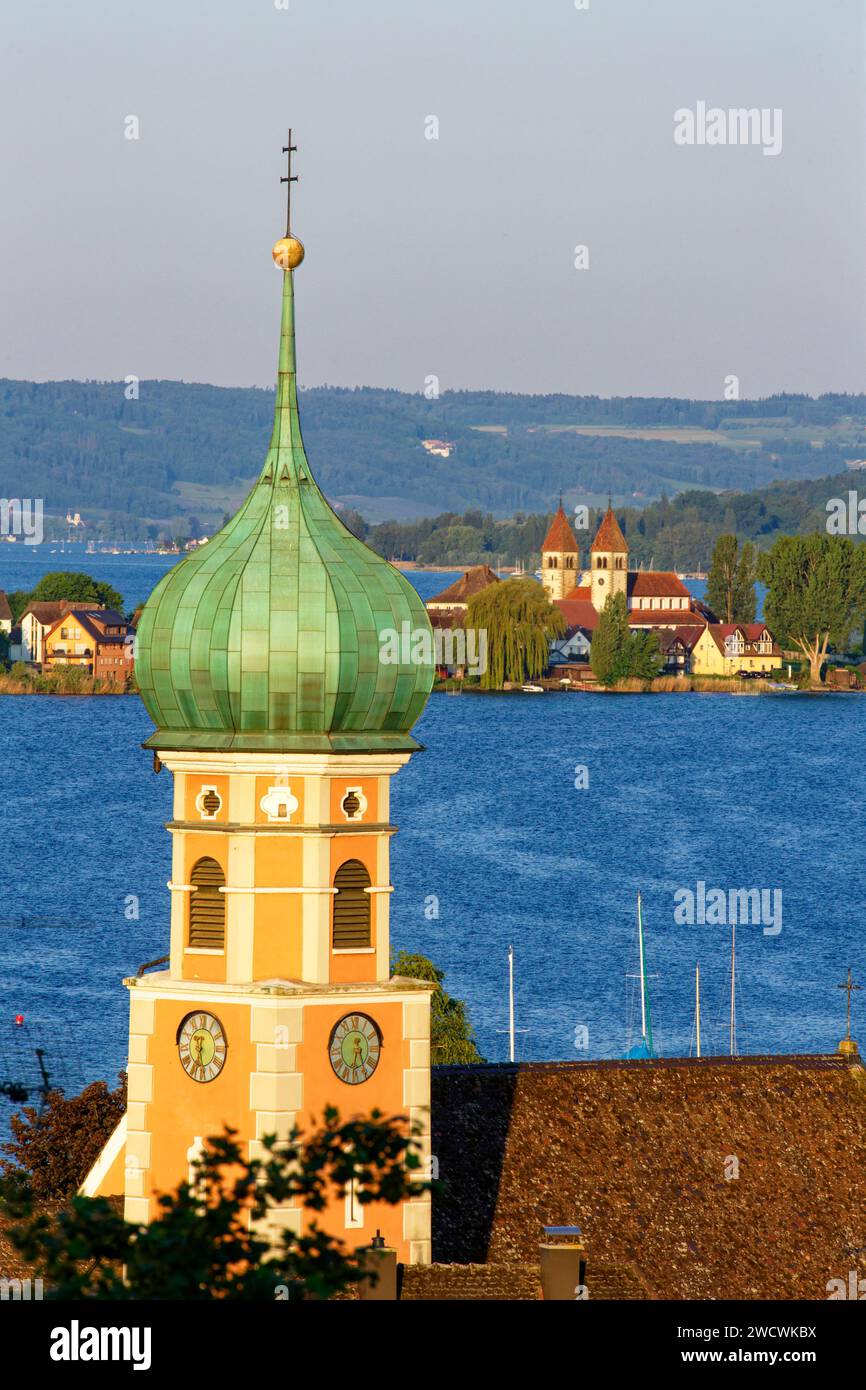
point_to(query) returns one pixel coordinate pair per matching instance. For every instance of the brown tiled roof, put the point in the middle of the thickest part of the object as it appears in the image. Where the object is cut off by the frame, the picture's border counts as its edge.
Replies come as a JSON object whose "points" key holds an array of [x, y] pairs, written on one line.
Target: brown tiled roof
{"points": [[560, 537], [447, 617], [656, 584], [48, 611], [753, 632], [471, 582], [634, 1154], [581, 592], [5, 610], [687, 635], [609, 536]]}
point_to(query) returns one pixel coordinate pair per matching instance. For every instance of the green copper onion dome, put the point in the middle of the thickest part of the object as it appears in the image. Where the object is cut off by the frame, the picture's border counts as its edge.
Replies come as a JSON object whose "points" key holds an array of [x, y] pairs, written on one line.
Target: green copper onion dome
{"points": [[281, 634]]}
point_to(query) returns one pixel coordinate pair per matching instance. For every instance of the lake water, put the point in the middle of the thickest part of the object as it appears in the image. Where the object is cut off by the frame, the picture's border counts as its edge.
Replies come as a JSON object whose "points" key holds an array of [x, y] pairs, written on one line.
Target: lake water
{"points": [[736, 792]]}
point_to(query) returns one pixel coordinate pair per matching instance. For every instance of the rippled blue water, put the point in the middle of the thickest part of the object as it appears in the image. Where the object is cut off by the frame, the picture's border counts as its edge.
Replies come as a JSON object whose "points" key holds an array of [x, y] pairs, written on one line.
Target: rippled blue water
{"points": [[735, 791]]}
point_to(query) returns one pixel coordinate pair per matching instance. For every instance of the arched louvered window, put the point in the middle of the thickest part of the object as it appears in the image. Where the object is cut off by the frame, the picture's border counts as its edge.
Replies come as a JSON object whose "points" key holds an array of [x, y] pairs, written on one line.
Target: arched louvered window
{"points": [[207, 906], [351, 906]]}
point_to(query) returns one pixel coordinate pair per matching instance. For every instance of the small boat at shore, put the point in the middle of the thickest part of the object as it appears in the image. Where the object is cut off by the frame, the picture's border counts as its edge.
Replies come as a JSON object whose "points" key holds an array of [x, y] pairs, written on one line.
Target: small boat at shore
{"points": [[532, 689]]}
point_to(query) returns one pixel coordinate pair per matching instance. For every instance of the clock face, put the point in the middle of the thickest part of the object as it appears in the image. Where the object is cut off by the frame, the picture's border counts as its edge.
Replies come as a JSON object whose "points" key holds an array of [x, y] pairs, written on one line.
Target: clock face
{"points": [[354, 1048], [202, 1046]]}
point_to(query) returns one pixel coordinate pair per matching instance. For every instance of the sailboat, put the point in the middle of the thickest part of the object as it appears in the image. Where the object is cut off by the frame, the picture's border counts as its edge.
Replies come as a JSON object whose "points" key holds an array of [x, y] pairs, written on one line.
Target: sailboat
{"points": [[644, 1048]]}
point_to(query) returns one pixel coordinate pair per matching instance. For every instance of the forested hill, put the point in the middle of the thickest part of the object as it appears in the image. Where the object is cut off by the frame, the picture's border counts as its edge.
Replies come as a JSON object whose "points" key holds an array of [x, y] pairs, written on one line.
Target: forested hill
{"points": [[134, 467], [677, 533]]}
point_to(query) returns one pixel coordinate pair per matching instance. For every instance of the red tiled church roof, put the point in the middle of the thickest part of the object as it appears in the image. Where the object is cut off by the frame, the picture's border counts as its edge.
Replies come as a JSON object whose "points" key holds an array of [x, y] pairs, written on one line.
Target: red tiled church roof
{"points": [[47, 611], [578, 612], [656, 584], [667, 617], [609, 536], [580, 592], [560, 537]]}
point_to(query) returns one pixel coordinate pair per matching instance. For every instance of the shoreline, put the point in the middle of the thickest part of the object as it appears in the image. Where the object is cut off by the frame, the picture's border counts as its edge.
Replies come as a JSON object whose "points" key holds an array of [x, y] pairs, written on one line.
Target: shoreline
{"points": [[696, 685]]}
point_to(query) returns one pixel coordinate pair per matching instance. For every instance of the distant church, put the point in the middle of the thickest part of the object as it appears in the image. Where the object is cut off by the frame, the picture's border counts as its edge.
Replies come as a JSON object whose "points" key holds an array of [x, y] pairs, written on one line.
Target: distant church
{"points": [[656, 595], [690, 638]]}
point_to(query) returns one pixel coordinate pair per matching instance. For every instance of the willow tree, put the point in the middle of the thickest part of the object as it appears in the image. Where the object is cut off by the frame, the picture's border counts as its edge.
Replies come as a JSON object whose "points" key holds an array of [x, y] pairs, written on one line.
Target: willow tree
{"points": [[520, 622]]}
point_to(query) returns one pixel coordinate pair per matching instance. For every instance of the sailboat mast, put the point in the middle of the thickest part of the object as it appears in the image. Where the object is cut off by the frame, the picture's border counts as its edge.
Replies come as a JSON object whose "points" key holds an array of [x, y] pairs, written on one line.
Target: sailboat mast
{"points": [[698, 1006], [511, 1003], [733, 994], [646, 1025], [642, 976]]}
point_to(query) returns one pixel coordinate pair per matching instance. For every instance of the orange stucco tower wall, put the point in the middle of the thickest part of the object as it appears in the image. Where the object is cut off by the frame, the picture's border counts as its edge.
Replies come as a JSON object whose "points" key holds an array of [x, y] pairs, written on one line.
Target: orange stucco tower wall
{"points": [[278, 987]]}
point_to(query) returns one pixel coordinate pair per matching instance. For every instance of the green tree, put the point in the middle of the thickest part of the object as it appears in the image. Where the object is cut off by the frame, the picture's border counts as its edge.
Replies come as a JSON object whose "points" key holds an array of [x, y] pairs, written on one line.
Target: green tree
{"points": [[608, 655], [207, 1241], [745, 596], [77, 588], [18, 601], [731, 581], [520, 622], [644, 657], [354, 522], [816, 594], [53, 1149], [617, 652], [452, 1037]]}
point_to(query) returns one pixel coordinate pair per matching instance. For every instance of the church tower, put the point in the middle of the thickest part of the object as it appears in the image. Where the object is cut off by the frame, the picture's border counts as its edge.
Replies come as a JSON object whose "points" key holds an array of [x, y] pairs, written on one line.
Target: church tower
{"points": [[609, 561], [559, 558], [260, 661]]}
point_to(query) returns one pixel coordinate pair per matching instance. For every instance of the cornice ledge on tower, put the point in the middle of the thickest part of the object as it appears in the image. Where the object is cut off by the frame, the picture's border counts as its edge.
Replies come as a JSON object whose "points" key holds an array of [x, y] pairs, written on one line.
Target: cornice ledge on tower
{"points": [[327, 828], [164, 983]]}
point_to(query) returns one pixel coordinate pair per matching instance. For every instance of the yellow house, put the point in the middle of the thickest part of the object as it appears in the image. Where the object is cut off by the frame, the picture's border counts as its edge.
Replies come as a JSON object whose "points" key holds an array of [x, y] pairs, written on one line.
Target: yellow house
{"points": [[726, 649], [69, 642]]}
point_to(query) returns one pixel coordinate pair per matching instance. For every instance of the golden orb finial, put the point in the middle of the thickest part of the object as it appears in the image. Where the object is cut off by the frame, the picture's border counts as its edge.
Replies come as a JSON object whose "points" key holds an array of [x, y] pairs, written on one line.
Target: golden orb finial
{"points": [[288, 252]]}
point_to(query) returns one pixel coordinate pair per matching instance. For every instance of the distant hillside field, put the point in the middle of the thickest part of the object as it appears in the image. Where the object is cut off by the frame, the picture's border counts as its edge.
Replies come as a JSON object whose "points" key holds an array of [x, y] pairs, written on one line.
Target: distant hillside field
{"points": [[185, 450]]}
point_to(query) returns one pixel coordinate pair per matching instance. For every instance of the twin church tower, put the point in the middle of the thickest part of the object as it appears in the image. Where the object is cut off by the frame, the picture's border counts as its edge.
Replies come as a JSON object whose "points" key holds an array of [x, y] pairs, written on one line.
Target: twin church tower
{"points": [[258, 659], [608, 572]]}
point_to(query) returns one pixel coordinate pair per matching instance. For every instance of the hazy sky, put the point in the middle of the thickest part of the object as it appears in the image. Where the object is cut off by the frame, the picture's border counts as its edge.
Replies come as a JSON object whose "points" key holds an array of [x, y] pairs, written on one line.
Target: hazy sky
{"points": [[453, 256]]}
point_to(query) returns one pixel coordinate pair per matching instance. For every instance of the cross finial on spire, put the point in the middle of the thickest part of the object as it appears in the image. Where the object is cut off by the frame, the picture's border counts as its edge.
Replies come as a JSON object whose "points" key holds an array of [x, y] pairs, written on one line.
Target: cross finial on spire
{"points": [[850, 987], [288, 179]]}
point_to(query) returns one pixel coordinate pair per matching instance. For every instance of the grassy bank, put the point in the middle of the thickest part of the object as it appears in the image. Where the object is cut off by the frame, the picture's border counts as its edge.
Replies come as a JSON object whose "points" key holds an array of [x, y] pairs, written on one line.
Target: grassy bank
{"points": [[71, 681], [677, 685], [704, 684]]}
